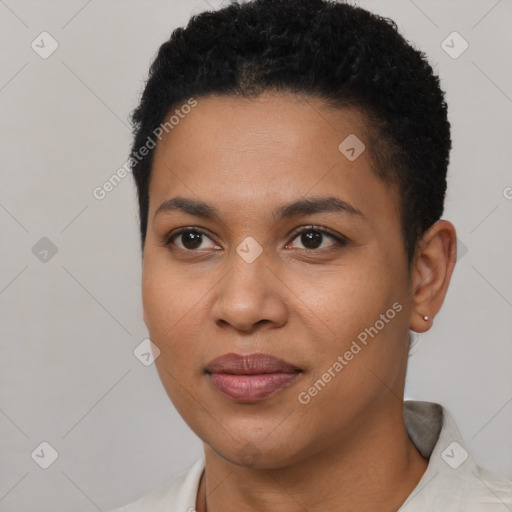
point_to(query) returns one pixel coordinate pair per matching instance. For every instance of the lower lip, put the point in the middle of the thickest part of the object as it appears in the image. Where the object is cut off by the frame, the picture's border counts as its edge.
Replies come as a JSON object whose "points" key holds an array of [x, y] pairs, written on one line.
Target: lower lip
{"points": [[251, 388]]}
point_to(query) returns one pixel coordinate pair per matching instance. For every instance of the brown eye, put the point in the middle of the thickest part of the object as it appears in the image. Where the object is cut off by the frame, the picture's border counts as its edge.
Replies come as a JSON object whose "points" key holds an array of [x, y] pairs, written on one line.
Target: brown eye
{"points": [[190, 239], [312, 238]]}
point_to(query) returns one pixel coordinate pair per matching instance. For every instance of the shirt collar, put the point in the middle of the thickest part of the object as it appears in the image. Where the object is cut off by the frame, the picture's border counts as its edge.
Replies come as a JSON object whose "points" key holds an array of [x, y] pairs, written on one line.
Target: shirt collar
{"points": [[452, 480]]}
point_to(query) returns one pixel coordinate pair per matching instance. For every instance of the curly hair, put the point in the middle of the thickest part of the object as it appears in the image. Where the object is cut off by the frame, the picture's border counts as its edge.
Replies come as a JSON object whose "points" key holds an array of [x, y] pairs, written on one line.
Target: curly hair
{"points": [[339, 53]]}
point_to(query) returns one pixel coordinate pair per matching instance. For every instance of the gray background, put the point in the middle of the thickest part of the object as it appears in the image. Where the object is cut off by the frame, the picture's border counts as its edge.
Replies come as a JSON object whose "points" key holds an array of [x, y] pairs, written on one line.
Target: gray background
{"points": [[69, 325]]}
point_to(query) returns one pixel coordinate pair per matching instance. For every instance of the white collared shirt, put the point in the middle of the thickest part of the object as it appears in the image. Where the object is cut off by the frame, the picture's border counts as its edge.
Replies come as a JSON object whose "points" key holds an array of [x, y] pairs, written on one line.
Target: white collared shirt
{"points": [[453, 482]]}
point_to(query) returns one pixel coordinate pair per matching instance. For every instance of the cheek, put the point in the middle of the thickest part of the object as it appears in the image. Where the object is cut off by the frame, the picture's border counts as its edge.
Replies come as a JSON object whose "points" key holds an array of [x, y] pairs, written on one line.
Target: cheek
{"points": [[359, 314], [158, 292], [169, 314], [350, 298], [163, 294], [168, 311]]}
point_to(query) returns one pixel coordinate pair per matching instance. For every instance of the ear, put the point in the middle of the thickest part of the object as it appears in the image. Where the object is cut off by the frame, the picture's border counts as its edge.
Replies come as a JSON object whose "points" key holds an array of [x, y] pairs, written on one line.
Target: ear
{"points": [[431, 273]]}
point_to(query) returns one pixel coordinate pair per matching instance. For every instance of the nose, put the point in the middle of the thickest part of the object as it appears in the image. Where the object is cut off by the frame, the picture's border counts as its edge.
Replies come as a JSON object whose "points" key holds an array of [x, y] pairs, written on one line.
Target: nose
{"points": [[250, 295]]}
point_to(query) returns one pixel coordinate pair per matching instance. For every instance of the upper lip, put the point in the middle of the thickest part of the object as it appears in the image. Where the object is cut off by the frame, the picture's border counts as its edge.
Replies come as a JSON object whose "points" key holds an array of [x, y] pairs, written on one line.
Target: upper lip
{"points": [[249, 364]]}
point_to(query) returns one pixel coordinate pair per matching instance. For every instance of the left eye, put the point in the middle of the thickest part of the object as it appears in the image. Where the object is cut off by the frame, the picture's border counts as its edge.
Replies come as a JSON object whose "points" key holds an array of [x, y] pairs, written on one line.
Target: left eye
{"points": [[312, 238]]}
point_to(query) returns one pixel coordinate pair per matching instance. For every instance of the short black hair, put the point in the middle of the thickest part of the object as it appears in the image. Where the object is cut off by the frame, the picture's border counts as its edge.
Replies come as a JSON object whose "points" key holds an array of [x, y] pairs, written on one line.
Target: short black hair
{"points": [[337, 52]]}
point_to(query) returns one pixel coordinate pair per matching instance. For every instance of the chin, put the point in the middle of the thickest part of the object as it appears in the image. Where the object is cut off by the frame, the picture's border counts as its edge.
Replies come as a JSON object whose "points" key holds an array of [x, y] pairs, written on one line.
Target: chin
{"points": [[254, 454]]}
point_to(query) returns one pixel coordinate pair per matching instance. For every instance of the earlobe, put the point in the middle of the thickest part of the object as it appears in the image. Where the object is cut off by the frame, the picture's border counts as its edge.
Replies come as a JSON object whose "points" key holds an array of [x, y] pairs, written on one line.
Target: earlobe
{"points": [[432, 270]]}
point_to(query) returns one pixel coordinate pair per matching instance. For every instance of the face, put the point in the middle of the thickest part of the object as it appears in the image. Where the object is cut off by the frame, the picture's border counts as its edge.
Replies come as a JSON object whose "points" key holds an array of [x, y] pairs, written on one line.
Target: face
{"points": [[322, 285]]}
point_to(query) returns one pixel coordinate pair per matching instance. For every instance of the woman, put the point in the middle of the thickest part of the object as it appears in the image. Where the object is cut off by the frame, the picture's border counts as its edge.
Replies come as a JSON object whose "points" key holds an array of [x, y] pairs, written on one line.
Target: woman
{"points": [[290, 159]]}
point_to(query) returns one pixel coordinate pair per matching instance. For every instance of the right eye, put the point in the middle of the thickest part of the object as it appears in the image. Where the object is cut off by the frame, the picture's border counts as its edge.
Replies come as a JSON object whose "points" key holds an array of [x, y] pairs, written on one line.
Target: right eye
{"points": [[190, 238]]}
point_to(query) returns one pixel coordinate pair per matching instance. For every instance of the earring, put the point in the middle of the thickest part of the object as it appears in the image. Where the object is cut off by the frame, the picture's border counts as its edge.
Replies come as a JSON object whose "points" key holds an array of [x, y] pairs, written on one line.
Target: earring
{"points": [[425, 318]]}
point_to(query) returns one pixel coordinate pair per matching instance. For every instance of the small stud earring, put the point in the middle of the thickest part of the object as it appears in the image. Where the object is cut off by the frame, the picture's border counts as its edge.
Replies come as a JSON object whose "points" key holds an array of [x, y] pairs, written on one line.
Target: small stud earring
{"points": [[425, 318]]}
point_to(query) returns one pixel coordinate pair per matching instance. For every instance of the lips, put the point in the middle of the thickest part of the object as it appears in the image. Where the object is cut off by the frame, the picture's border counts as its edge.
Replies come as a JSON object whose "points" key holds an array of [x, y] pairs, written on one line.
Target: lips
{"points": [[250, 364], [249, 378]]}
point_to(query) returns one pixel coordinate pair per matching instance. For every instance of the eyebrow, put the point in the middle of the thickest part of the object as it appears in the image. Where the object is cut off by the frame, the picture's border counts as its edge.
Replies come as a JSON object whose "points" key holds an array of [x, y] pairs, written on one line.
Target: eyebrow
{"points": [[300, 207]]}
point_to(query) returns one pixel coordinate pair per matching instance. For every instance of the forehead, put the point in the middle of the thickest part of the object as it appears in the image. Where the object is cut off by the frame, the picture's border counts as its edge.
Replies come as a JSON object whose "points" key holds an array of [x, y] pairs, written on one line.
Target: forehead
{"points": [[278, 121], [252, 152]]}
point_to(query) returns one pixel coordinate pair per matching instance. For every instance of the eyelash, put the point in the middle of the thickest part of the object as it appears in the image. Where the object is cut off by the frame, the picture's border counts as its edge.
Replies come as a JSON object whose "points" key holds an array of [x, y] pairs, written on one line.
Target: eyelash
{"points": [[339, 240]]}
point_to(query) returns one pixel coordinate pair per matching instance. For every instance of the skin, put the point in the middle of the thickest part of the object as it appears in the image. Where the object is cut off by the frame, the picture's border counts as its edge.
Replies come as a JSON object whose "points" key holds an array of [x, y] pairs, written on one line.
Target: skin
{"points": [[347, 449]]}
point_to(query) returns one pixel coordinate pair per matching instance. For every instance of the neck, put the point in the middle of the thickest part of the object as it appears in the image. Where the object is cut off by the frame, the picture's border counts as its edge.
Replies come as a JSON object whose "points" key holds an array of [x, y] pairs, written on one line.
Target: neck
{"points": [[375, 467]]}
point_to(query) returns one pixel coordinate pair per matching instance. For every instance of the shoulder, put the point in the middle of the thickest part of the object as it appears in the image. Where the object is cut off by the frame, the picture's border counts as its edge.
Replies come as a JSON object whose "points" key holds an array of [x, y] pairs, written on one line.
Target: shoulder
{"points": [[453, 481], [489, 491]]}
